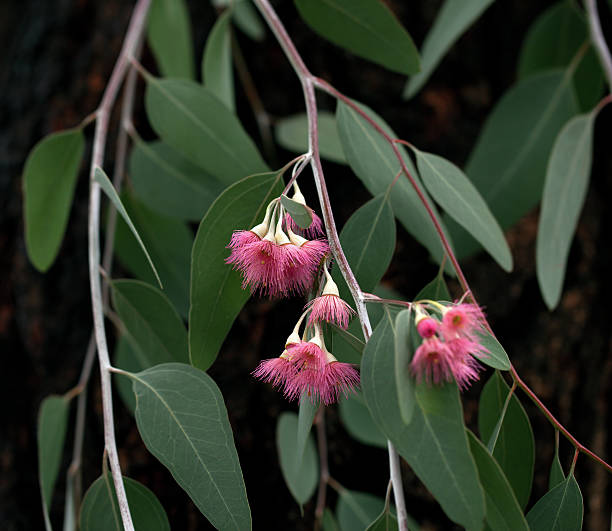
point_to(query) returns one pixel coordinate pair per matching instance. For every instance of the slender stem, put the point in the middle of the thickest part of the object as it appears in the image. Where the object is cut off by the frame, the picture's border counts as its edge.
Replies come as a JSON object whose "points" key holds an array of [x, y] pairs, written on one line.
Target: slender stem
{"points": [[323, 465], [136, 27], [598, 39], [398, 490], [495, 435]]}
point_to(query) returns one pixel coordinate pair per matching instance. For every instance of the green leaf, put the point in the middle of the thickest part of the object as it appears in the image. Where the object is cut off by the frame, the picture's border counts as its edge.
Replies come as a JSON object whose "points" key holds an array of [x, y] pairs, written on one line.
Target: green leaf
{"points": [[108, 188], [503, 510], [52, 420], [560, 509], [356, 510], [404, 381], [292, 134], [453, 19], [436, 290], [357, 420], [217, 70], [216, 290], [130, 358], [247, 19], [329, 522], [299, 213], [434, 443], [565, 187], [49, 178], [366, 28], [170, 184], [385, 522], [508, 163], [183, 422], [306, 416], [556, 474], [515, 448], [374, 162], [301, 475], [100, 509], [454, 192], [169, 35], [496, 357], [353, 341], [552, 42], [150, 319], [169, 241], [190, 119]]}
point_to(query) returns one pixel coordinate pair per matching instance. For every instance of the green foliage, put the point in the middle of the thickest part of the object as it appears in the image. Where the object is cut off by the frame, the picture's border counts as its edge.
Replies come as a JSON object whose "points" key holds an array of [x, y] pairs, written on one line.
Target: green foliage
{"points": [[52, 420], [556, 474], [100, 510], [183, 422], [560, 509], [365, 27], [356, 510], [217, 70], [404, 380], [216, 290], [358, 421], [49, 179], [496, 356], [298, 212]]}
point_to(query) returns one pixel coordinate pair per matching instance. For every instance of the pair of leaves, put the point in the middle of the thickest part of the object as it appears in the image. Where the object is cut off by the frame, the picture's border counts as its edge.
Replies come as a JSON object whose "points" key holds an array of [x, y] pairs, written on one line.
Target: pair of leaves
{"points": [[560, 509], [365, 27]]}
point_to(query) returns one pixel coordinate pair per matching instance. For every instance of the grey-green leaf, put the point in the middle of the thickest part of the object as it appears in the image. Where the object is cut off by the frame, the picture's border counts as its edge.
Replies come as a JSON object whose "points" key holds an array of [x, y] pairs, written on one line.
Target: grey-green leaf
{"points": [[374, 162], [385, 522], [404, 380], [560, 509], [169, 183], [454, 192], [301, 475], [496, 356], [556, 474], [217, 70], [52, 420], [104, 182], [169, 241], [292, 134], [298, 212], [434, 443], [503, 510], [356, 510], [100, 509], [565, 187], [329, 521], [49, 179], [367, 28], [357, 420], [151, 320], [306, 416], [189, 118], [169, 36], [508, 163], [216, 290], [515, 447], [454, 18], [183, 422], [130, 358]]}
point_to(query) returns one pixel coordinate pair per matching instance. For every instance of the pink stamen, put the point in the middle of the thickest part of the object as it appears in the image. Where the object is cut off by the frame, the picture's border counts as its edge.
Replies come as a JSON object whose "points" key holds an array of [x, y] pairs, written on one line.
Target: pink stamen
{"points": [[331, 309]]}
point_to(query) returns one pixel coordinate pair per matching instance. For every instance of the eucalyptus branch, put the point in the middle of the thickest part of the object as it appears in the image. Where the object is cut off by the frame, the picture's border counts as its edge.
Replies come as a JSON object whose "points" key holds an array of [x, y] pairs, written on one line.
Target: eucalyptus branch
{"points": [[133, 35], [598, 39]]}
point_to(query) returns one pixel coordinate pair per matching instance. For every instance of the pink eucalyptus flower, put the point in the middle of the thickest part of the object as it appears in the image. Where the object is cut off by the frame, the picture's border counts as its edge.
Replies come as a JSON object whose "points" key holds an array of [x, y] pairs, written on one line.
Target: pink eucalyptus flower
{"points": [[337, 378], [432, 362], [464, 367], [262, 265], [331, 309], [277, 371], [462, 320], [314, 231], [427, 327]]}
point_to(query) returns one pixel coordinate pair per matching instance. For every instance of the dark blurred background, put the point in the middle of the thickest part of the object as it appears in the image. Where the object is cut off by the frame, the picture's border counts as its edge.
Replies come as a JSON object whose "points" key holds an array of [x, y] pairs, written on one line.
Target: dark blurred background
{"points": [[56, 58]]}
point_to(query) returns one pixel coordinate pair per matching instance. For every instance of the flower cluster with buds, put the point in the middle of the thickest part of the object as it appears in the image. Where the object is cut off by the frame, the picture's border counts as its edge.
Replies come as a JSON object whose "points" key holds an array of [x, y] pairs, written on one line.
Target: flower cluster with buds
{"points": [[451, 343], [306, 366]]}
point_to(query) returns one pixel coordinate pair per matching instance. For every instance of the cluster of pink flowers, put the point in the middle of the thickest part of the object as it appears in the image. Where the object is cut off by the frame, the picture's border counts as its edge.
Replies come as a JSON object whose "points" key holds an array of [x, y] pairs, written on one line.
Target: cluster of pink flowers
{"points": [[450, 346], [276, 259]]}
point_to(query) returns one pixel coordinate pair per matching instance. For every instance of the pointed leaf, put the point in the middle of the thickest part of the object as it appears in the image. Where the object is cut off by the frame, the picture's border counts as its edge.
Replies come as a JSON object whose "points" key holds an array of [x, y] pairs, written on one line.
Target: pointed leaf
{"points": [[156, 327], [169, 35], [454, 192], [216, 290], [217, 70], [190, 119], [305, 418], [170, 184], [356, 510], [52, 420], [365, 27], [49, 179], [508, 163], [503, 510], [496, 357], [453, 19], [515, 447], [434, 443], [436, 290], [385, 522], [301, 475], [357, 420], [130, 358], [292, 134], [556, 474], [404, 380], [247, 19], [560, 509], [183, 422], [329, 521], [100, 509], [374, 162], [567, 180], [299, 213]]}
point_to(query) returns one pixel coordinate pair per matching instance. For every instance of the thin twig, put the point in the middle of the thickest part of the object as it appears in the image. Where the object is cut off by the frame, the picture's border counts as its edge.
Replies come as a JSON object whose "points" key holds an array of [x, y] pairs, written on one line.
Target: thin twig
{"points": [[598, 40], [136, 27]]}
